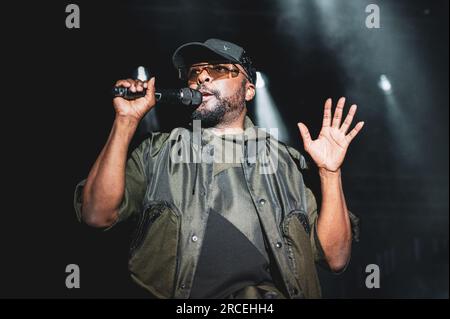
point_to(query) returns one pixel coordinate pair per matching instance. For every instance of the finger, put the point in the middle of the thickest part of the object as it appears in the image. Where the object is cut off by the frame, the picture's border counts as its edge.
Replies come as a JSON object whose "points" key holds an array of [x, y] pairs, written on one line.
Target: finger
{"points": [[150, 92], [350, 136], [348, 119], [304, 132], [327, 113], [133, 86], [338, 113], [123, 83], [139, 86]]}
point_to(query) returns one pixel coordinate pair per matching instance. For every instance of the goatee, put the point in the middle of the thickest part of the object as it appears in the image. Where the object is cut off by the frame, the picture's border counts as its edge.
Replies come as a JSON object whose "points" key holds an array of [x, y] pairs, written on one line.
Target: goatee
{"points": [[225, 110]]}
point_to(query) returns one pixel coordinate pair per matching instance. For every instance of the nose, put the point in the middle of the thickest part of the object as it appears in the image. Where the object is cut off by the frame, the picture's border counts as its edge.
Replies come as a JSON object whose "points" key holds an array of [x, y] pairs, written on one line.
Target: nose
{"points": [[204, 77]]}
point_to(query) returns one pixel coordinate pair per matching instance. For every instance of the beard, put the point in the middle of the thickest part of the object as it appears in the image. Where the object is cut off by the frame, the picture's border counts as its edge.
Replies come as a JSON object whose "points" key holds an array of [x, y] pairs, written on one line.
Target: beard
{"points": [[224, 111]]}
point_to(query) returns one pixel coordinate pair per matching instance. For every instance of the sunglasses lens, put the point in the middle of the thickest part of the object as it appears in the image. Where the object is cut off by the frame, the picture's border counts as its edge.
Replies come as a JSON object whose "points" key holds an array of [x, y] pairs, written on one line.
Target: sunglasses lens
{"points": [[216, 71]]}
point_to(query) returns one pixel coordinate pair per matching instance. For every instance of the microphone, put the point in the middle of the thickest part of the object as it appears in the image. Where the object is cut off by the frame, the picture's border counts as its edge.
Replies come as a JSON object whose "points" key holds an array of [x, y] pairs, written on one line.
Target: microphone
{"points": [[185, 96]]}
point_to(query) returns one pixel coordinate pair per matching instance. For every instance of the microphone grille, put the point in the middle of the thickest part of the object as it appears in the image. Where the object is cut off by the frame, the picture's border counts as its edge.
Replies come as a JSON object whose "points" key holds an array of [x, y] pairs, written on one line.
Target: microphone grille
{"points": [[191, 97], [196, 98]]}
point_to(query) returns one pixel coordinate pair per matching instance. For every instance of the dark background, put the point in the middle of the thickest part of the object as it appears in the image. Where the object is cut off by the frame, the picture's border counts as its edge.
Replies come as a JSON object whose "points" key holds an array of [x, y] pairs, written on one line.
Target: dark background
{"points": [[395, 175]]}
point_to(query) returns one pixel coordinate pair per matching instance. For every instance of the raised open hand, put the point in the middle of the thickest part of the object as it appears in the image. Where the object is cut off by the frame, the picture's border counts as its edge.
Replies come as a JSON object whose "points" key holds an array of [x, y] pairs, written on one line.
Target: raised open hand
{"points": [[329, 149]]}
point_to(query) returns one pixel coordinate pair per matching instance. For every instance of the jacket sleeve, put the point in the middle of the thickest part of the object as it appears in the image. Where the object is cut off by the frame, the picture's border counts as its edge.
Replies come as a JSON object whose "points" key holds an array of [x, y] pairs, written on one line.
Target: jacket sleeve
{"points": [[137, 172], [319, 255]]}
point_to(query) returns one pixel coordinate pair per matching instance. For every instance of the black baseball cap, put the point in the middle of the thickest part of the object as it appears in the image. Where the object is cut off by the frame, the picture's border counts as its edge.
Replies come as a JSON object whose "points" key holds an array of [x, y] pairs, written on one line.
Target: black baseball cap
{"points": [[212, 50]]}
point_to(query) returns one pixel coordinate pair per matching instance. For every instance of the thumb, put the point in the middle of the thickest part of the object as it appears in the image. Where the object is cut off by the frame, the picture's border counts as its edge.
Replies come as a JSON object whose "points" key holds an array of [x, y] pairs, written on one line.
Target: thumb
{"points": [[150, 92], [304, 132]]}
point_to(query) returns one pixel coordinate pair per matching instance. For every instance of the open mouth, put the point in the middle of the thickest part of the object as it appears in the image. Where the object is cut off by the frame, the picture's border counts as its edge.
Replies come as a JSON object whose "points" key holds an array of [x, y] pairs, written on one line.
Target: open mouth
{"points": [[207, 96]]}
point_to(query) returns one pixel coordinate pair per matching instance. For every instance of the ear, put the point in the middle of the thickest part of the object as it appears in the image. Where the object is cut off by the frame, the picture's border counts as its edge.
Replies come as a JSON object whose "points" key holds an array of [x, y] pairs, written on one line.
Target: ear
{"points": [[250, 91]]}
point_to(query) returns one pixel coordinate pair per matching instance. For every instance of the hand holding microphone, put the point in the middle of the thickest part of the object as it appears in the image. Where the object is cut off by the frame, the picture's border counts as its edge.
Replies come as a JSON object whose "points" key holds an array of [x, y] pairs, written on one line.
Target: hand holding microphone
{"points": [[139, 95], [135, 108]]}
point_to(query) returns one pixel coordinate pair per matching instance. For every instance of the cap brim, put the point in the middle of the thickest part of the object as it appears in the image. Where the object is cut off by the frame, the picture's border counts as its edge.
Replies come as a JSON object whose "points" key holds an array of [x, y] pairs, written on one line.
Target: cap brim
{"points": [[196, 52]]}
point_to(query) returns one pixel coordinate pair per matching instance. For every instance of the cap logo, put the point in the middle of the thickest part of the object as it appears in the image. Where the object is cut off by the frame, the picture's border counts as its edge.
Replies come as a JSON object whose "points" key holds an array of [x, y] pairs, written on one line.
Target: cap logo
{"points": [[225, 48]]}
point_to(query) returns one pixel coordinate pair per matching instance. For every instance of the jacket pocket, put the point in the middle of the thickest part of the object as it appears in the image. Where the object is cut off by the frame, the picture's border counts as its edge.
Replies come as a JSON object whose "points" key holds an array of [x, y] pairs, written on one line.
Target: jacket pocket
{"points": [[153, 260], [296, 233]]}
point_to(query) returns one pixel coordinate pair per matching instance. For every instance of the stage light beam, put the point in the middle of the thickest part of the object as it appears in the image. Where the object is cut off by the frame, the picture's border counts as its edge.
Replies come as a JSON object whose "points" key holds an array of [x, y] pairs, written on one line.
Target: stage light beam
{"points": [[260, 83], [267, 115], [385, 84]]}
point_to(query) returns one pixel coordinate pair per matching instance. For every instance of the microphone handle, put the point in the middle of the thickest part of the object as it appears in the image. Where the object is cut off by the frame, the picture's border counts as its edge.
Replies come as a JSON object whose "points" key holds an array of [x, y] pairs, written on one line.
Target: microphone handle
{"points": [[126, 93], [184, 96], [169, 96]]}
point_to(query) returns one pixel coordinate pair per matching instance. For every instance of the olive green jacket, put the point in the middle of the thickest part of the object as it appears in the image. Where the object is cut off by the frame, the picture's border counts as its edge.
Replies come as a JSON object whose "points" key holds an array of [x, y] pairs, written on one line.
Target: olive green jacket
{"points": [[170, 200]]}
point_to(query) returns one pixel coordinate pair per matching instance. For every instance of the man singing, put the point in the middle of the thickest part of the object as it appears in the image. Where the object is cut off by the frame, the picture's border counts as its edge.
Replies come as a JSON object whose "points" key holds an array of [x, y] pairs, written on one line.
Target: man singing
{"points": [[222, 228]]}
